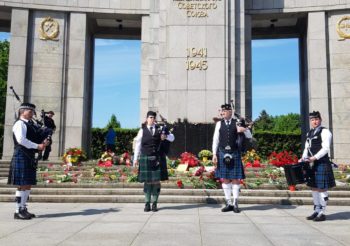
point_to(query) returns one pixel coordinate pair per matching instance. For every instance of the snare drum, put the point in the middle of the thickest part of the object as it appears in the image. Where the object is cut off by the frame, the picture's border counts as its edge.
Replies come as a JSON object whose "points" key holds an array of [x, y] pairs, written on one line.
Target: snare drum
{"points": [[297, 173]]}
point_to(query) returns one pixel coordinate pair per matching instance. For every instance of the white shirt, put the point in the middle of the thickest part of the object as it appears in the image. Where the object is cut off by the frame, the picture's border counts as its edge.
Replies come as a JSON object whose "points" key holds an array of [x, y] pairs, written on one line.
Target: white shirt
{"points": [[20, 131], [215, 146], [138, 141], [326, 137]]}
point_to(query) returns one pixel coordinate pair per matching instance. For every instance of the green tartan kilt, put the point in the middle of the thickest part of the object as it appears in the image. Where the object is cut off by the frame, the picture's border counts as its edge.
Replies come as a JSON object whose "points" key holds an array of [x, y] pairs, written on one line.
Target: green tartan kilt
{"points": [[148, 171]]}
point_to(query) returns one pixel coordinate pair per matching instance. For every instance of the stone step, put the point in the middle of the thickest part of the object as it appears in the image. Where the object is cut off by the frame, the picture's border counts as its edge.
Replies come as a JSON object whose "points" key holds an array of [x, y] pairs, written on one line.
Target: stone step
{"points": [[174, 199], [164, 185], [167, 191]]}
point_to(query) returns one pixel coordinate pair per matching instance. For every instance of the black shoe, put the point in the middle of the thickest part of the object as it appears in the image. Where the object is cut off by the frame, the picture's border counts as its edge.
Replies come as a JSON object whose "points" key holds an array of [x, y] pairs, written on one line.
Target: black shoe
{"points": [[154, 207], [30, 214], [147, 207], [322, 217], [312, 216], [228, 208], [21, 215], [236, 209]]}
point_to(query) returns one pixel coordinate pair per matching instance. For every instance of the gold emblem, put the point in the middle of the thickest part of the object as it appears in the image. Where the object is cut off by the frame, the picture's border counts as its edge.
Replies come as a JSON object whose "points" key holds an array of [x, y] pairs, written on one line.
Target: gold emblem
{"points": [[343, 28], [49, 29]]}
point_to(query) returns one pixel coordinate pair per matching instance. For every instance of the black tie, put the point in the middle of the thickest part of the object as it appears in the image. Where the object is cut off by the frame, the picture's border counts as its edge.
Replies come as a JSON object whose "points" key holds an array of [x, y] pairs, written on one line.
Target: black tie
{"points": [[151, 130]]}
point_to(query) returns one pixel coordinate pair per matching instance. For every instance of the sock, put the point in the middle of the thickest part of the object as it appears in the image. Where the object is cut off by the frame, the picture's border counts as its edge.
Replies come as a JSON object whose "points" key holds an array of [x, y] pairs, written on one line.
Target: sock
{"points": [[155, 192], [323, 202], [18, 200], [26, 197], [227, 191], [316, 199], [147, 189], [235, 193], [23, 199]]}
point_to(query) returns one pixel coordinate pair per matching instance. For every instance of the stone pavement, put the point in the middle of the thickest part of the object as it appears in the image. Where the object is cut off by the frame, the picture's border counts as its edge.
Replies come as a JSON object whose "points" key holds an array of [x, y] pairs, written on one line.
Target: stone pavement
{"points": [[174, 224]]}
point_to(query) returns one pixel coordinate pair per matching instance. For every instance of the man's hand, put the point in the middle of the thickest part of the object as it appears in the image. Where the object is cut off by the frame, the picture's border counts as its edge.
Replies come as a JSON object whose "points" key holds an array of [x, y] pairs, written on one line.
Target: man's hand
{"points": [[215, 159], [136, 163], [41, 146]]}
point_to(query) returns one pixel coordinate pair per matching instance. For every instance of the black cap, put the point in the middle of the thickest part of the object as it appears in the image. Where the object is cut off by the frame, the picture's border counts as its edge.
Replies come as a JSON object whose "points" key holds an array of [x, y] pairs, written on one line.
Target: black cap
{"points": [[27, 106], [51, 112], [151, 113], [314, 114], [226, 106]]}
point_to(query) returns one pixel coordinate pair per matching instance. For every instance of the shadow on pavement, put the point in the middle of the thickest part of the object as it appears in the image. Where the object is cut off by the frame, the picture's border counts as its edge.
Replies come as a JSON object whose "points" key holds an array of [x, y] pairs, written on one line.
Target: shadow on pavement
{"points": [[85, 212], [189, 206], [339, 216], [267, 207]]}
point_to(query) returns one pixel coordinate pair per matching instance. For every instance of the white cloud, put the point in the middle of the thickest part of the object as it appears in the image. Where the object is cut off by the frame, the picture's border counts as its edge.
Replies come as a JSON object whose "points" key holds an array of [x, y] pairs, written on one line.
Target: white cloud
{"points": [[280, 91], [107, 42]]}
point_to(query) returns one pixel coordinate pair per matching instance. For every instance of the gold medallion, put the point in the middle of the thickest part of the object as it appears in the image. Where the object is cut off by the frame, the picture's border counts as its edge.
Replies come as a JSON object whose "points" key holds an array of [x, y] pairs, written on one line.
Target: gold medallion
{"points": [[343, 28], [49, 29]]}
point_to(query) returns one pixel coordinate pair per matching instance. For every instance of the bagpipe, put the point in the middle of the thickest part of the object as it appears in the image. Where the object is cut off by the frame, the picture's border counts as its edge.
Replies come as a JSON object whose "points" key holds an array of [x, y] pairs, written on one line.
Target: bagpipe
{"points": [[298, 173], [164, 145], [41, 131]]}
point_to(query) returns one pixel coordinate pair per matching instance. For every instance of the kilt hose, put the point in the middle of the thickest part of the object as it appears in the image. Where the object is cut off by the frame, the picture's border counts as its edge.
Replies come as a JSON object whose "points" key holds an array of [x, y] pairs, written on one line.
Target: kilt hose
{"points": [[321, 176], [149, 169], [233, 171], [22, 168]]}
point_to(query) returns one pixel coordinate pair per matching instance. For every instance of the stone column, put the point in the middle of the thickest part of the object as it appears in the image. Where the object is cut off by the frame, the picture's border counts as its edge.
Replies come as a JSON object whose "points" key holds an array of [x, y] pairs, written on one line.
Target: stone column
{"points": [[317, 65], [16, 73], [77, 118], [242, 47], [145, 49], [339, 60]]}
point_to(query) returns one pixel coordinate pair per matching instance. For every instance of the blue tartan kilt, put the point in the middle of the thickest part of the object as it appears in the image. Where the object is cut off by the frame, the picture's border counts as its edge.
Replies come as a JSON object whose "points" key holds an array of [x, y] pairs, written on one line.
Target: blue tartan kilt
{"points": [[321, 176], [149, 170], [22, 168], [233, 171]]}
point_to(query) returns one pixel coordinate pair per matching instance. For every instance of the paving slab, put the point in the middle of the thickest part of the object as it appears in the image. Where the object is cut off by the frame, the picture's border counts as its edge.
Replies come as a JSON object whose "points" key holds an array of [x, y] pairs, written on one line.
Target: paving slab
{"points": [[174, 224]]}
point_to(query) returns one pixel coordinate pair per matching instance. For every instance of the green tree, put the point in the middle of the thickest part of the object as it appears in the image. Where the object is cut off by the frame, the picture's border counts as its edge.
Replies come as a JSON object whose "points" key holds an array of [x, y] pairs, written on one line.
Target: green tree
{"points": [[4, 60], [113, 122], [264, 122], [289, 123]]}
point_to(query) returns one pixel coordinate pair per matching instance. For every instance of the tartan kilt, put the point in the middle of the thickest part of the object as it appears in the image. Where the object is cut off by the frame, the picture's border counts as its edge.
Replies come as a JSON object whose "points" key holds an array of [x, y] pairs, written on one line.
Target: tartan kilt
{"points": [[321, 176], [22, 168], [234, 171], [146, 172]]}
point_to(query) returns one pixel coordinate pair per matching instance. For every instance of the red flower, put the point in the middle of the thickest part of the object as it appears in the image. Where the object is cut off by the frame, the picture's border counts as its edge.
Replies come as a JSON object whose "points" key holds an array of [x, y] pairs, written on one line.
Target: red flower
{"points": [[248, 164], [179, 184], [282, 158], [256, 163]]}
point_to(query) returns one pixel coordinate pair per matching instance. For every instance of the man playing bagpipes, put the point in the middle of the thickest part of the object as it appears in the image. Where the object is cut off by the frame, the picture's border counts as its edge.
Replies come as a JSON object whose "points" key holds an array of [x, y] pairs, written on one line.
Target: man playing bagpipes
{"points": [[320, 175]]}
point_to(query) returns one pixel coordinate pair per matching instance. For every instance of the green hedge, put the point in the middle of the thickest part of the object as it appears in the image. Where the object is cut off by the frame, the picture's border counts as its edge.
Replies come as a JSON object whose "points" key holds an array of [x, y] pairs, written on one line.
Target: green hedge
{"points": [[1, 138], [268, 142], [123, 143]]}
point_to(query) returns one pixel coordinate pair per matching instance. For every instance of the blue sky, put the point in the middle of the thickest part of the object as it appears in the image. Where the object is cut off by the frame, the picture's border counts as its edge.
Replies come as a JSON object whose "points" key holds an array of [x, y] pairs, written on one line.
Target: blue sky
{"points": [[275, 74], [117, 79]]}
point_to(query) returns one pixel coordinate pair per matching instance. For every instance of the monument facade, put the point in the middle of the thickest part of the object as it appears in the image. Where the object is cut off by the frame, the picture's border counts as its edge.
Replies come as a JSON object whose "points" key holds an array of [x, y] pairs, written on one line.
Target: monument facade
{"points": [[196, 54]]}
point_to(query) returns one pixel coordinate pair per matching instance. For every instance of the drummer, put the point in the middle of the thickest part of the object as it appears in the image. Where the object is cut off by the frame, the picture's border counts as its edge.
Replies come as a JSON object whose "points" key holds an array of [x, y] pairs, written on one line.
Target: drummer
{"points": [[316, 152]]}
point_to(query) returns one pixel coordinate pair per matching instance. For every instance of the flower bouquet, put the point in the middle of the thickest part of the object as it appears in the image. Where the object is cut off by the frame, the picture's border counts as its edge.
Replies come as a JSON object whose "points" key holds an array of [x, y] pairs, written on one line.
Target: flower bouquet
{"points": [[190, 159], [282, 158], [106, 159], [205, 154], [251, 159], [74, 156]]}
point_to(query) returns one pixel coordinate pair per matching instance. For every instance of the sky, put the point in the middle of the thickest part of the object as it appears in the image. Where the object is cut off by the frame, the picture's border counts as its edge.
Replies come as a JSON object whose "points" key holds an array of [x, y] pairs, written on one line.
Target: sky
{"points": [[275, 76], [117, 66]]}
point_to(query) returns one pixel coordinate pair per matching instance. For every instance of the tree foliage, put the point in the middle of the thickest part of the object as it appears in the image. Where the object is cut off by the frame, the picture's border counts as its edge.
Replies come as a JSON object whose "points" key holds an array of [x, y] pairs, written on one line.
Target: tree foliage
{"points": [[4, 60], [113, 122], [289, 123]]}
